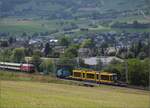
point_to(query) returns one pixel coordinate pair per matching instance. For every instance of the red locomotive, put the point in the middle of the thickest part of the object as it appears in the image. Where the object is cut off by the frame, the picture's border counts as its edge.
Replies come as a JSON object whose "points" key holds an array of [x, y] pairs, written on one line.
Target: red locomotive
{"points": [[17, 66]]}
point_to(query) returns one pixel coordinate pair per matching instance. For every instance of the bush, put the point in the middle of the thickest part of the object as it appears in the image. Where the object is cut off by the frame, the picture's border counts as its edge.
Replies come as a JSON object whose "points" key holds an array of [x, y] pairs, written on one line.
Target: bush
{"points": [[18, 55], [141, 55], [36, 59], [46, 66], [138, 71]]}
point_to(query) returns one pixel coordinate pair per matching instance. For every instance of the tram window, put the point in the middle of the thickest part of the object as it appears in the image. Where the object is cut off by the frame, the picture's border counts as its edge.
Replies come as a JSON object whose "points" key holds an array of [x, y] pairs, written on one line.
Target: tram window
{"points": [[104, 77], [91, 76], [76, 74]]}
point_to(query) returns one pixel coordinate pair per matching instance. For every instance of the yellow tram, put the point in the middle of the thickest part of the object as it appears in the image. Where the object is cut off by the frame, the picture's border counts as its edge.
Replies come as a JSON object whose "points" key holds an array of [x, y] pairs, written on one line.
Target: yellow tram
{"points": [[99, 77]]}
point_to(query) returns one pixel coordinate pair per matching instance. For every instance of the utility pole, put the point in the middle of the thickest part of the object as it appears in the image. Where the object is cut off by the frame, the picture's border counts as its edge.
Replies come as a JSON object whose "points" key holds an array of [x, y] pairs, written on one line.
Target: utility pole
{"points": [[54, 67], [3, 60], [78, 59], [28, 64], [99, 64], [126, 71], [149, 57], [126, 63], [105, 58]]}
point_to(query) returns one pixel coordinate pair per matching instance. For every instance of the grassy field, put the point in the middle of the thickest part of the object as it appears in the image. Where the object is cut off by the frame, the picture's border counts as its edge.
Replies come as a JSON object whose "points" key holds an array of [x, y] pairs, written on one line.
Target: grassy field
{"points": [[17, 27], [49, 95], [29, 94]]}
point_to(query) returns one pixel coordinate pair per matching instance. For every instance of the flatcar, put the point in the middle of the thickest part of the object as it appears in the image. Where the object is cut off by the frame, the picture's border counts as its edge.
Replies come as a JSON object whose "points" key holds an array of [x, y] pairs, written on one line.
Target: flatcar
{"points": [[94, 76], [17, 66]]}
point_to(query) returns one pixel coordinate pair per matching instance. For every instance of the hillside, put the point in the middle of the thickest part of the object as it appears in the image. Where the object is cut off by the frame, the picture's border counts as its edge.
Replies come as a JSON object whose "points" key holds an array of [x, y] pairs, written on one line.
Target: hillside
{"points": [[21, 90], [67, 9], [62, 17], [49, 95]]}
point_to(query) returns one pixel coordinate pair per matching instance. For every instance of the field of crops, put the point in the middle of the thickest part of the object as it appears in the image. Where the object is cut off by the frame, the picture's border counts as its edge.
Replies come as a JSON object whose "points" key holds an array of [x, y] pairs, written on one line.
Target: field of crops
{"points": [[23, 94], [17, 27]]}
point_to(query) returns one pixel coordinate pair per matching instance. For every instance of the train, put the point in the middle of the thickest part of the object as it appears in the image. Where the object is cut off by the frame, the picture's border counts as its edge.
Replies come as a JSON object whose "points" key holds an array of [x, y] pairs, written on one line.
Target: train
{"points": [[73, 74], [91, 76], [94, 76], [24, 67]]}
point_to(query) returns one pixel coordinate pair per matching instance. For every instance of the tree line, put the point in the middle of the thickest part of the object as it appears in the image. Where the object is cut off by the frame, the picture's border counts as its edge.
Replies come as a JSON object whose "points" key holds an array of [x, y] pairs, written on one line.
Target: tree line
{"points": [[138, 67]]}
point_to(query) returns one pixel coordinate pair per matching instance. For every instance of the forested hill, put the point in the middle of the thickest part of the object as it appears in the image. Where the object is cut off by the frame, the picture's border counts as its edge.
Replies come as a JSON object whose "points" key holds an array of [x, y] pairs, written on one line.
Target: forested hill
{"points": [[67, 9]]}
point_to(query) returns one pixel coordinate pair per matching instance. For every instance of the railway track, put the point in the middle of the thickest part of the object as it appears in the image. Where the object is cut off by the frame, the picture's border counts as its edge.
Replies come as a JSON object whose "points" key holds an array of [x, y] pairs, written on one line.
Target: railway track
{"points": [[94, 84]]}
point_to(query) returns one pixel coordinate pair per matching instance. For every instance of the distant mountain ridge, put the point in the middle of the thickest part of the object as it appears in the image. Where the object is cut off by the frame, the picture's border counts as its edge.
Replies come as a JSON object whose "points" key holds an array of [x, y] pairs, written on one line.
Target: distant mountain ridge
{"points": [[66, 9]]}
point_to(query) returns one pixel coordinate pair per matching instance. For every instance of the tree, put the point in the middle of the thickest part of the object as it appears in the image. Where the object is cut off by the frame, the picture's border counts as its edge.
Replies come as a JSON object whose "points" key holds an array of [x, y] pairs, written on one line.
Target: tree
{"points": [[114, 61], [46, 66], [139, 50], [4, 44], [68, 58], [130, 54], [65, 61], [64, 41], [88, 43], [36, 59], [29, 51], [104, 46], [5, 55], [18, 55], [141, 55], [116, 67], [35, 34], [138, 72], [24, 34], [139, 46], [47, 49], [146, 72], [99, 64], [135, 24], [81, 63], [11, 40], [71, 52]]}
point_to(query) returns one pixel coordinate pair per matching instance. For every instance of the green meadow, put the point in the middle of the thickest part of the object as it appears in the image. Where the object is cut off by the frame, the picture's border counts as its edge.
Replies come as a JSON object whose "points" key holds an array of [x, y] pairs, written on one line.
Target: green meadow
{"points": [[16, 27], [25, 93]]}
